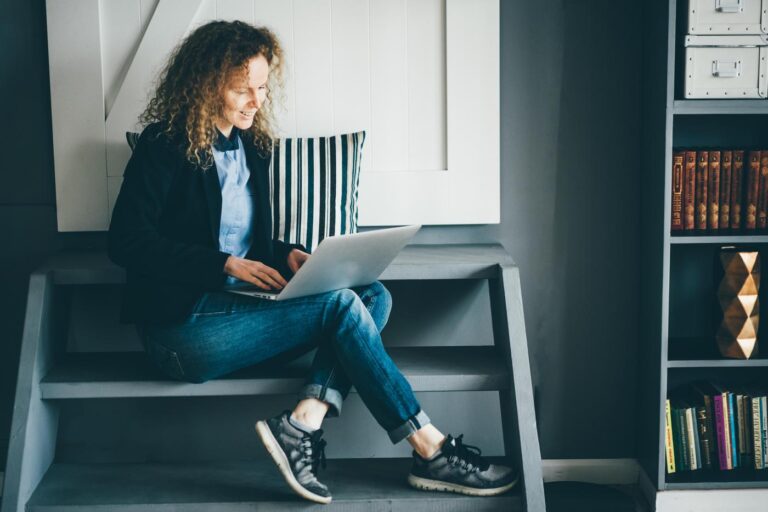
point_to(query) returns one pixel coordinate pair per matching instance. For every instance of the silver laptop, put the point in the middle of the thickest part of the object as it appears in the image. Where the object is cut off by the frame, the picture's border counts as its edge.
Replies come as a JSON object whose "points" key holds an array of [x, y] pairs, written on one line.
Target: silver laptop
{"points": [[342, 261]]}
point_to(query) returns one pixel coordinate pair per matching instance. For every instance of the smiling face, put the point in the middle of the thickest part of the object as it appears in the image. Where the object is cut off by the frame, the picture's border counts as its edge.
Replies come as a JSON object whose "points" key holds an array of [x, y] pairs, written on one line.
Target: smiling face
{"points": [[243, 96]]}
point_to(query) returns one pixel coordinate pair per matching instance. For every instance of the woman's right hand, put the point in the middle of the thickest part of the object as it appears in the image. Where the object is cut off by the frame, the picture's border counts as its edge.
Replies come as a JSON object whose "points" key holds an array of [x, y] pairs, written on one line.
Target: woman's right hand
{"points": [[254, 272]]}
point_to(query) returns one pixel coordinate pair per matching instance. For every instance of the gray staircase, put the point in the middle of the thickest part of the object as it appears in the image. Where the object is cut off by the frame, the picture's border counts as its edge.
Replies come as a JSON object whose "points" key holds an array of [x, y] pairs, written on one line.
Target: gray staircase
{"points": [[34, 480]]}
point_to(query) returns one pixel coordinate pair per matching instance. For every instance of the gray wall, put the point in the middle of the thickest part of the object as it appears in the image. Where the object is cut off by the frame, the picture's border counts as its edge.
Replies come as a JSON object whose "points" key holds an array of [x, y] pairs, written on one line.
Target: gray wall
{"points": [[570, 141]]}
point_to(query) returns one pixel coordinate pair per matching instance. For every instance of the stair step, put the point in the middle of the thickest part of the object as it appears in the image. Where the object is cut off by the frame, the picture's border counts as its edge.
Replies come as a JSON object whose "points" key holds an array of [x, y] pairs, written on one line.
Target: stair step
{"points": [[130, 374], [369, 485]]}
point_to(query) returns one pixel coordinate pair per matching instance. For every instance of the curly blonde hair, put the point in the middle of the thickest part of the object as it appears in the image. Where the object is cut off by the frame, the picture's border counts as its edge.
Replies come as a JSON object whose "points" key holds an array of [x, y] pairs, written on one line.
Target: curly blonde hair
{"points": [[189, 93]]}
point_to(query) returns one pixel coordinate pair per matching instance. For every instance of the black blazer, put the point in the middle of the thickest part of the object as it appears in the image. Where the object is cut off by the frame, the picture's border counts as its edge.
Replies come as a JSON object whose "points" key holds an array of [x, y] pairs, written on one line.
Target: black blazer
{"points": [[165, 228]]}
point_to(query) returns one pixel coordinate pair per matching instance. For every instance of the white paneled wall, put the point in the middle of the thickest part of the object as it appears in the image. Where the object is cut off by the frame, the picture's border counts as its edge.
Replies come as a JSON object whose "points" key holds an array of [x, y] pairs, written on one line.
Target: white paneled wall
{"points": [[386, 66]]}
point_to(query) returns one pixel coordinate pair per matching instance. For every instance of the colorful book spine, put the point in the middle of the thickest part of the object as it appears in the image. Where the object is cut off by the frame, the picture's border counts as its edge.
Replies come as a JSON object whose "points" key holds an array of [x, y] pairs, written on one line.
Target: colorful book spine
{"points": [[756, 432], [713, 191], [753, 189], [677, 190], [689, 192], [703, 427], [737, 180], [685, 457], [702, 181], [722, 455], [693, 433], [669, 442], [726, 171], [764, 428], [732, 415], [762, 196]]}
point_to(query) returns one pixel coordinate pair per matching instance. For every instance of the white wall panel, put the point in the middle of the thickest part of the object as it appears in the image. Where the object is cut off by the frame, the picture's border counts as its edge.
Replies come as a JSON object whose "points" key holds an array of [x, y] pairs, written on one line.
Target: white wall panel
{"points": [[389, 85], [313, 78], [351, 69], [278, 16], [231, 10], [147, 9], [77, 112], [426, 85], [120, 31]]}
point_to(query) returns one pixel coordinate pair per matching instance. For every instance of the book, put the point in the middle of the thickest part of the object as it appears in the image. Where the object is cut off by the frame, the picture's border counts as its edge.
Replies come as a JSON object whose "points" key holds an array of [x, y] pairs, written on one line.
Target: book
{"points": [[689, 191], [669, 443], [726, 168], [737, 184], [702, 423], [752, 190], [693, 435], [762, 196], [677, 190], [757, 439], [722, 432], [764, 429], [685, 457], [702, 181], [713, 191], [731, 418]]}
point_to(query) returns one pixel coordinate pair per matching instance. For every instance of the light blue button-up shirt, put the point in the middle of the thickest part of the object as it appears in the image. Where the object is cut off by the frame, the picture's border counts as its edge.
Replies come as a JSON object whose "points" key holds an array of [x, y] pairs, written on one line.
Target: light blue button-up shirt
{"points": [[237, 197]]}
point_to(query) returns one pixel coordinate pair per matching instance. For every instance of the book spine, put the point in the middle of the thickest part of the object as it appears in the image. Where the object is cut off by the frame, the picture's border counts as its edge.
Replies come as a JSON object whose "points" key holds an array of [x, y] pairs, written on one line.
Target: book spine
{"points": [[702, 179], [685, 457], [677, 190], [737, 181], [732, 415], [726, 166], [689, 192], [740, 423], [705, 460], [764, 429], [762, 196], [668, 439], [722, 456], [711, 434], [753, 183], [713, 191], [694, 434], [756, 437]]}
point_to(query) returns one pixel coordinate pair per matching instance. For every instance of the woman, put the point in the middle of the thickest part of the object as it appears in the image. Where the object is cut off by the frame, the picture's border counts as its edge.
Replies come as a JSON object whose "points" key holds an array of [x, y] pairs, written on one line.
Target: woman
{"points": [[193, 217]]}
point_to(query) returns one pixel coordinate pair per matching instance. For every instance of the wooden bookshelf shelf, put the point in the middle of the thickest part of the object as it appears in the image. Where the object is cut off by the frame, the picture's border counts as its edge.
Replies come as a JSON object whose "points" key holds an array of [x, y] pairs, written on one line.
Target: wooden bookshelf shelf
{"points": [[718, 363], [719, 239], [710, 107], [739, 478]]}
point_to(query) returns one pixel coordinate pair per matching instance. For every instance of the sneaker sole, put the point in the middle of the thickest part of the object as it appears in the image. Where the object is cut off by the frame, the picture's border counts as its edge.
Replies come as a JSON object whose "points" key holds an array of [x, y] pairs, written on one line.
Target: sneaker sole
{"points": [[425, 484], [278, 455]]}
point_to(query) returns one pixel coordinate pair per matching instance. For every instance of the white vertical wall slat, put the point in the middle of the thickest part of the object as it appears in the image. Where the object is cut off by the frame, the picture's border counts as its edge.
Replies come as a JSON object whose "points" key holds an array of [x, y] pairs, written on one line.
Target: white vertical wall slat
{"points": [[205, 13], [77, 112], [313, 80], [389, 85], [169, 24], [277, 15], [426, 85], [146, 9], [351, 68]]}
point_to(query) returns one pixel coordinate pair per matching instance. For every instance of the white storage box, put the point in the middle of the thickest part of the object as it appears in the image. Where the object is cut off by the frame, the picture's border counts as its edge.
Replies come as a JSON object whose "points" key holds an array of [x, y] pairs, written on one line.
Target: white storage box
{"points": [[720, 17], [726, 66]]}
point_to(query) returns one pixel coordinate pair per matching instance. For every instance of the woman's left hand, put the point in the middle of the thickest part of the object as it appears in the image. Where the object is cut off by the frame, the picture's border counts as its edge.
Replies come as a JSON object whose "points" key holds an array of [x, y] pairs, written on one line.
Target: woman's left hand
{"points": [[296, 259]]}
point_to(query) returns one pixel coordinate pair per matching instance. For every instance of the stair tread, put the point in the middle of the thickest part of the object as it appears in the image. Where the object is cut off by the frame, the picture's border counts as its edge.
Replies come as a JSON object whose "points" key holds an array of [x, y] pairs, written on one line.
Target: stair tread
{"points": [[371, 484], [130, 374]]}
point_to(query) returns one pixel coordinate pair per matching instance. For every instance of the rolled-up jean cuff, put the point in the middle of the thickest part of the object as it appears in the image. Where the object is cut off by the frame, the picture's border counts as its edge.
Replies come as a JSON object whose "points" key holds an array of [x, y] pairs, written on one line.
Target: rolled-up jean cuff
{"points": [[409, 428], [328, 395]]}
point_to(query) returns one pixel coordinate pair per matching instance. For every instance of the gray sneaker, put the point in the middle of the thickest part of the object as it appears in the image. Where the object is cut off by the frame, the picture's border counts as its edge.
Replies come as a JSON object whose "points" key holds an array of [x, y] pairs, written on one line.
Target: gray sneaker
{"points": [[297, 455], [459, 468]]}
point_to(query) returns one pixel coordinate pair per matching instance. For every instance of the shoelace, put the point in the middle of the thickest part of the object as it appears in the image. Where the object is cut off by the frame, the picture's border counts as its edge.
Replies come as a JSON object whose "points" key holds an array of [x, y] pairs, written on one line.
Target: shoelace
{"points": [[314, 449], [465, 455]]}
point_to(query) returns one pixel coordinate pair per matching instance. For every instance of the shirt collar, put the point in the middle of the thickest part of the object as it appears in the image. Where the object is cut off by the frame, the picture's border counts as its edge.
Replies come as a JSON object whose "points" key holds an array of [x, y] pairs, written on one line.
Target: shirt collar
{"points": [[227, 144]]}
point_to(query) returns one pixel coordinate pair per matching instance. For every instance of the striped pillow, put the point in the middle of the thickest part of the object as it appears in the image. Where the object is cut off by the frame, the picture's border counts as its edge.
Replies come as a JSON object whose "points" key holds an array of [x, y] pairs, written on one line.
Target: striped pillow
{"points": [[313, 187]]}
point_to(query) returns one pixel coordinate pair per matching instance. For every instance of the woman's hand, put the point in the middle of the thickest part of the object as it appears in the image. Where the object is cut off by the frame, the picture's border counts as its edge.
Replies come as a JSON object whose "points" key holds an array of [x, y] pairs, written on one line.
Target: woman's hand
{"points": [[296, 259], [255, 272]]}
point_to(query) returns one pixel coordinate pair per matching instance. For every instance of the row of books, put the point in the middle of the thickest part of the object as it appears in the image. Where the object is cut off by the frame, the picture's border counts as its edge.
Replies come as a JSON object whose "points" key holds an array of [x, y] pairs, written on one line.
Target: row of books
{"points": [[715, 191], [710, 427]]}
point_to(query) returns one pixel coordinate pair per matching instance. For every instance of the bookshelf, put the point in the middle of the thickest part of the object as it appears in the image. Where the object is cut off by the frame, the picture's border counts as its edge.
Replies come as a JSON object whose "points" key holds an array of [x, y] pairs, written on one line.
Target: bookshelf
{"points": [[678, 286]]}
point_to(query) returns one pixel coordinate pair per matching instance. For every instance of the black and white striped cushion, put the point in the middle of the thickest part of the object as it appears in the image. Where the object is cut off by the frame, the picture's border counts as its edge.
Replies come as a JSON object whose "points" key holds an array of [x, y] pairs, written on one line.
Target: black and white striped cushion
{"points": [[313, 187]]}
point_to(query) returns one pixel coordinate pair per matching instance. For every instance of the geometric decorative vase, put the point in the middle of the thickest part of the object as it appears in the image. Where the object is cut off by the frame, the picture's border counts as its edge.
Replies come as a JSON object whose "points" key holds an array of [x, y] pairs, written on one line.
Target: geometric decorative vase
{"points": [[738, 297]]}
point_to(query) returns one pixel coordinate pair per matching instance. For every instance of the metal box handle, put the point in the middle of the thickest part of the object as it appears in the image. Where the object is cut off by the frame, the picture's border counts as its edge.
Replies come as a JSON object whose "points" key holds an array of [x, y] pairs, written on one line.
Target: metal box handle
{"points": [[726, 68], [729, 5]]}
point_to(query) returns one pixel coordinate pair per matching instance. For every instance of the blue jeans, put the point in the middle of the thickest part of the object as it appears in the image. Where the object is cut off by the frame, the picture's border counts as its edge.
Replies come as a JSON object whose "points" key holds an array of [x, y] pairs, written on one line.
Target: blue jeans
{"points": [[228, 331]]}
